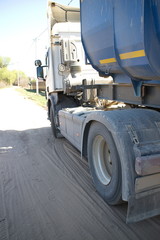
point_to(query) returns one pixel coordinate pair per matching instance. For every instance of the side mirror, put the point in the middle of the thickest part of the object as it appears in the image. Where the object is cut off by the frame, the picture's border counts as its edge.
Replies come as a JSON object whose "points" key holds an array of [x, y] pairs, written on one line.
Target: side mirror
{"points": [[38, 63], [40, 74]]}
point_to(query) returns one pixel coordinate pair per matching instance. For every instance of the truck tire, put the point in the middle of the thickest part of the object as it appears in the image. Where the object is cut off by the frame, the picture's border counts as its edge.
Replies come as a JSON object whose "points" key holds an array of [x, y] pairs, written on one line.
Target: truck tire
{"points": [[104, 164], [54, 123]]}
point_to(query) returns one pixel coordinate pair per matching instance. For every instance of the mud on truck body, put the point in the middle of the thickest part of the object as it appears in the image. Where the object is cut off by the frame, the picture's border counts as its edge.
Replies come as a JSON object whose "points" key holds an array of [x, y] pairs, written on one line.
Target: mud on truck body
{"points": [[103, 87]]}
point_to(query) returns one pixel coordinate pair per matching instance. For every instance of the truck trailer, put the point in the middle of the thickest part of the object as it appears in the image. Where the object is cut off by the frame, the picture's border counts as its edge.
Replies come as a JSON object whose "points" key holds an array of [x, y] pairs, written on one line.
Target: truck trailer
{"points": [[102, 75]]}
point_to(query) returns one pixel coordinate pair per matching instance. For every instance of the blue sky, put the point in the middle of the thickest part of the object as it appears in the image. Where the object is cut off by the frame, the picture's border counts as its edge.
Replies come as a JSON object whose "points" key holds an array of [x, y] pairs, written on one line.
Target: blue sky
{"points": [[20, 23]]}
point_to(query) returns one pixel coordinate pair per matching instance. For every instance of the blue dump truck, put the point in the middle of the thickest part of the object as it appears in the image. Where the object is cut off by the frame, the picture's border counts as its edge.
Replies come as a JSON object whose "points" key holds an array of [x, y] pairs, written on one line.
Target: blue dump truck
{"points": [[102, 75]]}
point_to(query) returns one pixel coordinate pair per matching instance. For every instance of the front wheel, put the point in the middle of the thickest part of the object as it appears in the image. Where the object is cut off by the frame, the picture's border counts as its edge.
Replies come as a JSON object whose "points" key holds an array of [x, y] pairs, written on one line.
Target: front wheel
{"points": [[54, 122], [104, 163]]}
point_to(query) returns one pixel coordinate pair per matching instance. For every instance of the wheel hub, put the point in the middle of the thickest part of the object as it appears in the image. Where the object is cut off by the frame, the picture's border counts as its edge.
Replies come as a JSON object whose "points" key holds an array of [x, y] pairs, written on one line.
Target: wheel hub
{"points": [[102, 160]]}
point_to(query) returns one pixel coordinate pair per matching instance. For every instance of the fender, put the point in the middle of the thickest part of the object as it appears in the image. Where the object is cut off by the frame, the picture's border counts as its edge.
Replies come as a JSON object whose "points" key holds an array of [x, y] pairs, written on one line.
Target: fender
{"points": [[130, 129]]}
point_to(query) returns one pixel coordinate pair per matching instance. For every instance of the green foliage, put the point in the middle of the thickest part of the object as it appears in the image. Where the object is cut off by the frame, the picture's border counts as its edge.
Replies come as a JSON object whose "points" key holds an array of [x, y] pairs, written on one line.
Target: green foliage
{"points": [[4, 61], [33, 81], [8, 77]]}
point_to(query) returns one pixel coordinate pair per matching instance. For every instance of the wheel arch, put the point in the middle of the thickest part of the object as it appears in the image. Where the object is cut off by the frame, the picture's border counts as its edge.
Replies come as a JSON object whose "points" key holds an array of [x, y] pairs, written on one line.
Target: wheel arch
{"points": [[85, 138], [107, 119], [131, 129]]}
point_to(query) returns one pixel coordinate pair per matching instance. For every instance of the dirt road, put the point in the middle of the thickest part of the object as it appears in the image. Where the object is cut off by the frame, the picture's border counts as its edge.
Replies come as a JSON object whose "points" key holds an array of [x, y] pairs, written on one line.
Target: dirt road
{"points": [[46, 192]]}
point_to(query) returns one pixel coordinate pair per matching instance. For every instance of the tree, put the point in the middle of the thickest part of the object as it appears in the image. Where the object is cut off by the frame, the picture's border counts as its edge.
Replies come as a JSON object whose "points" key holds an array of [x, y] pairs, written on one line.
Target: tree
{"points": [[8, 77], [4, 61]]}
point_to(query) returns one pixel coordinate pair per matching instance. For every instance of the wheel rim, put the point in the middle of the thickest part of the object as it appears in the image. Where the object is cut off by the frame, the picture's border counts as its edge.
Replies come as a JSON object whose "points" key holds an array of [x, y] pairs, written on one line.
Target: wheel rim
{"points": [[102, 160]]}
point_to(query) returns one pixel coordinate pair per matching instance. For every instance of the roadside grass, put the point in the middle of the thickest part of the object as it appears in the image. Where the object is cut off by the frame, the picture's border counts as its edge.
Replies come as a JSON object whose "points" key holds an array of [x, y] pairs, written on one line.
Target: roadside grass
{"points": [[40, 98]]}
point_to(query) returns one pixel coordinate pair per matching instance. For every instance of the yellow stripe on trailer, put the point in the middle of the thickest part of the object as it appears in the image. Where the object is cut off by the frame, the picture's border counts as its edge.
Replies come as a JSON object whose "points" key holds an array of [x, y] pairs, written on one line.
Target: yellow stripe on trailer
{"points": [[109, 60], [134, 54]]}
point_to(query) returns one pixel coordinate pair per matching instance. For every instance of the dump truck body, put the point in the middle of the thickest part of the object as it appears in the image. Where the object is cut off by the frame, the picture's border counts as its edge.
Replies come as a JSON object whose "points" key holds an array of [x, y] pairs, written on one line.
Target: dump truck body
{"points": [[123, 37]]}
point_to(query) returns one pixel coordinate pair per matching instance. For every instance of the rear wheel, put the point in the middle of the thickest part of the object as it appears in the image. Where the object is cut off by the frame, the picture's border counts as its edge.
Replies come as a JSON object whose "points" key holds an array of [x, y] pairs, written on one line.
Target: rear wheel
{"points": [[104, 163]]}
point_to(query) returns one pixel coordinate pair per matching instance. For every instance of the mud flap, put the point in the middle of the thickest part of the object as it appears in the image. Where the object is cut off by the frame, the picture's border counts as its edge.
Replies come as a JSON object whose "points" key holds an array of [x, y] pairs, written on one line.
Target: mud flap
{"points": [[143, 205]]}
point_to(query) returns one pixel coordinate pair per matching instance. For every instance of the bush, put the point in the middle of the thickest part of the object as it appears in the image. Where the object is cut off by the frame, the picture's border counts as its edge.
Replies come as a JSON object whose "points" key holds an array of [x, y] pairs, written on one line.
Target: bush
{"points": [[3, 84]]}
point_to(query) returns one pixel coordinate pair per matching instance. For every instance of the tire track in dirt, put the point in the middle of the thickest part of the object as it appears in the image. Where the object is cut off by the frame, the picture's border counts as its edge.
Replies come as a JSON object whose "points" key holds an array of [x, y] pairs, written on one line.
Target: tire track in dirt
{"points": [[71, 169]]}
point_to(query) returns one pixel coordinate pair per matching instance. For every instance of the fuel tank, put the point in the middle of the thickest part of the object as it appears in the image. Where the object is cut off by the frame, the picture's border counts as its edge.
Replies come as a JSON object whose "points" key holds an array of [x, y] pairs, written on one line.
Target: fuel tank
{"points": [[121, 36]]}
